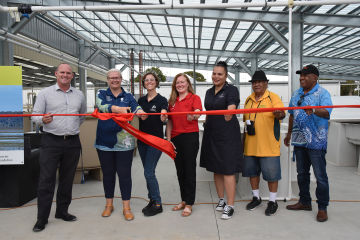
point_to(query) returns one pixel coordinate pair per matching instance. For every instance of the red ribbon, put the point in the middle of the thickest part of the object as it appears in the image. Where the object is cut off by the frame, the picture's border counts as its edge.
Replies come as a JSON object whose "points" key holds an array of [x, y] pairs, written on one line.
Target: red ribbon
{"points": [[159, 143], [123, 121]]}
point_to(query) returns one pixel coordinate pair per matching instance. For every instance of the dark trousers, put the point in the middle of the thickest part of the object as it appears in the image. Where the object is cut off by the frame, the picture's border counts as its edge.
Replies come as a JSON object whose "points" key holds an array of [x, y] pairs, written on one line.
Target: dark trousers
{"points": [[187, 147], [57, 152], [304, 159], [119, 162]]}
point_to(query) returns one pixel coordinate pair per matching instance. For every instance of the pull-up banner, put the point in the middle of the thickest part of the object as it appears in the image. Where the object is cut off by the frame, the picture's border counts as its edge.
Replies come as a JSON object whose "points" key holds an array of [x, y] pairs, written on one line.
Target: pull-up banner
{"points": [[11, 128]]}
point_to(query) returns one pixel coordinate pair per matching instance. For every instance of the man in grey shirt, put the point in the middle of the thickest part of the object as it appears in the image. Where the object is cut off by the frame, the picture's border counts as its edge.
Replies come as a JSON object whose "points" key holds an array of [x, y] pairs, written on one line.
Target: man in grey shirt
{"points": [[60, 144]]}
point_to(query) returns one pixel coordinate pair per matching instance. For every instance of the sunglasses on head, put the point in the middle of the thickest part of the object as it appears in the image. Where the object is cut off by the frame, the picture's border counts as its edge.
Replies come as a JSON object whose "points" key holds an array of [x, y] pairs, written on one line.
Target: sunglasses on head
{"points": [[301, 100]]}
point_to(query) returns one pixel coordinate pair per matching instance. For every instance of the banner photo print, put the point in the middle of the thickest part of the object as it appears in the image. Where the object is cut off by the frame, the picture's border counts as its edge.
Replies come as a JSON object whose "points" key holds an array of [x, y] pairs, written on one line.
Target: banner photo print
{"points": [[11, 128]]}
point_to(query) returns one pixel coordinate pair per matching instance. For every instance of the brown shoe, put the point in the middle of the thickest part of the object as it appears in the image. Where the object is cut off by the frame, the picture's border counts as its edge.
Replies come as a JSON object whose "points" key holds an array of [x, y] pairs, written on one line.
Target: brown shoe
{"points": [[299, 206], [322, 216], [107, 211], [128, 214]]}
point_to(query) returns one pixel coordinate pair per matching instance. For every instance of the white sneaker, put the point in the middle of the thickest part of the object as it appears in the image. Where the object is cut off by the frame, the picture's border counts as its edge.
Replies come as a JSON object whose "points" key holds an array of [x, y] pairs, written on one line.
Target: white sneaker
{"points": [[220, 206], [228, 212]]}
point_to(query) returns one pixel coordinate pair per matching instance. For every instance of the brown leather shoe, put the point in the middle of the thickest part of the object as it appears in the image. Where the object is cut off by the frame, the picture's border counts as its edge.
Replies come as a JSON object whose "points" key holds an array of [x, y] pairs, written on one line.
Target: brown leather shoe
{"points": [[128, 214], [107, 211], [322, 216], [299, 206]]}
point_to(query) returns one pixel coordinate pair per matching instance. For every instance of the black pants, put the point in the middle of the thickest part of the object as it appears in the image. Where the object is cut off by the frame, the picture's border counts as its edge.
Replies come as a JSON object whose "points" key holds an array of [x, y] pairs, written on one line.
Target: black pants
{"points": [[119, 162], [56, 151], [187, 147]]}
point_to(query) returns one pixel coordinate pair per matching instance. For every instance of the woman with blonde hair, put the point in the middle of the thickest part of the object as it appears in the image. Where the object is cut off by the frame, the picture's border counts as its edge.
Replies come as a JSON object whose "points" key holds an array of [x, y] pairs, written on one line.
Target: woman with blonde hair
{"points": [[183, 132]]}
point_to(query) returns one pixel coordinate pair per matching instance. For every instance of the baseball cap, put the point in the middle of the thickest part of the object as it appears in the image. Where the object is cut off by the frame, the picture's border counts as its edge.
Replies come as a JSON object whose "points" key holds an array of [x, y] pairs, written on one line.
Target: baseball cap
{"points": [[308, 69]]}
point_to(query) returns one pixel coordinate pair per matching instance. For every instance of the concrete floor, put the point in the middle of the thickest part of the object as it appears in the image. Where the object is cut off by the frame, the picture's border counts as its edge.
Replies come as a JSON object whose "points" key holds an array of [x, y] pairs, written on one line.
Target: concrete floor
{"points": [[204, 223]]}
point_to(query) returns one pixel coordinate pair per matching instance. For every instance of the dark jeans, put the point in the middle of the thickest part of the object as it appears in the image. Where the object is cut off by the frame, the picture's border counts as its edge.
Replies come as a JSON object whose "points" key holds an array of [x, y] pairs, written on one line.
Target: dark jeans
{"points": [[119, 162], [304, 159], [56, 151], [187, 147], [150, 157]]}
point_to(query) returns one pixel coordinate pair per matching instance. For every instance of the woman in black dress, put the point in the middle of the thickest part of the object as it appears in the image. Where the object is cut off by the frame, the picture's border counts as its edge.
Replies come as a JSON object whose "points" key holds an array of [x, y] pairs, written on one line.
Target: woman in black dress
{"points": [[221, 150]]}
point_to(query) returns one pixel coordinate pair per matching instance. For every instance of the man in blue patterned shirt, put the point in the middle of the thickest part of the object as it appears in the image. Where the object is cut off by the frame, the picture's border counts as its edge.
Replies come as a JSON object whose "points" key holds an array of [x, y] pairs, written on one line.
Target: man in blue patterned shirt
{"points": [[308, 129]]}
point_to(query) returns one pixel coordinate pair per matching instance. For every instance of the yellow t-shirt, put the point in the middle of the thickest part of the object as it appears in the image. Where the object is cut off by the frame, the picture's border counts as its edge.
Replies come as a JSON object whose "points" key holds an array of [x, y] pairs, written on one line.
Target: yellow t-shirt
{"points": [[266, 141]]}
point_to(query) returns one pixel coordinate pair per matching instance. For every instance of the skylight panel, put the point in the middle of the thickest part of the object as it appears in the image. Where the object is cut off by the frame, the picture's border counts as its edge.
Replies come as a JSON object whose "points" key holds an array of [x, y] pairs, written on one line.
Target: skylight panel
{"points": [[182, 57], [166, 41], [189, 21], [353, 31], [154, 40], [306, 36], [334, 40], [106, 16], [276, 9], [315, 29], [140, 18], [202, 59], [207, 33], [175, 20], [189, 32], [205, 44], [244, 47], [238, 35], [173, 57], [226, 24], [162, 30], [231, 61], [209, 23], [218, 45], [123, 17], [231, 46], [253, 36], [87, 34], [222, 34], [317, 40], [347, 9], [244, 25], [324, 9], [85, 23], [146, 28], [334, 30], [87, 14], [179, 42], [271, 48], [163, 56], [177, 31], [157, 19], [212, 60]]}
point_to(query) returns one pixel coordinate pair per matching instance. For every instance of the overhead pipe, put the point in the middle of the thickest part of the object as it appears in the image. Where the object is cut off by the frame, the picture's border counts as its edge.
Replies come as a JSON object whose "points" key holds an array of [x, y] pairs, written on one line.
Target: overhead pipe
{"points": [[53, 54], [289, 94], [27, 8], [85, 39]]}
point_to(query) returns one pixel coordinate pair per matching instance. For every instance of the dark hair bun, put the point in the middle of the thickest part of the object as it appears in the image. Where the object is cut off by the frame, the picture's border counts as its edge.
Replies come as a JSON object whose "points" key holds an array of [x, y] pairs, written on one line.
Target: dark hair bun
{"points": [[222, 64]]}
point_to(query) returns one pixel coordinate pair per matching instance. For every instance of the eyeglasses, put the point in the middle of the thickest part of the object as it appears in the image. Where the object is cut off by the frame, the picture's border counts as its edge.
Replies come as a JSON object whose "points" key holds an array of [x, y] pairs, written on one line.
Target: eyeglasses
{"points": [[301, 100], [149, 80]]}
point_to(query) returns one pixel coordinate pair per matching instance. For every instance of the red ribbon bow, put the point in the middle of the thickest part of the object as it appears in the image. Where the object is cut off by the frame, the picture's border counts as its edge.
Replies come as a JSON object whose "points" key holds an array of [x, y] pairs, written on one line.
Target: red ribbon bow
{"points": [[123, 121]]}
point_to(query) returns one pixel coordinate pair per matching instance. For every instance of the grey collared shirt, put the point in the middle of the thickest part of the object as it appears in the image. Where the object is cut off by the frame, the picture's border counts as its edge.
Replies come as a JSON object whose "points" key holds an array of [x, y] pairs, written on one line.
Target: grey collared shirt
{"points": [[53, 100]]}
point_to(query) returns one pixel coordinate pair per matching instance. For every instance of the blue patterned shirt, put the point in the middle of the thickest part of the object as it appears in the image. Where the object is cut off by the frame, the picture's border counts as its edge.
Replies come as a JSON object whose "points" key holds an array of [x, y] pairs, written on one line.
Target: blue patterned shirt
{"points": [[109, 135], [310, 131]]}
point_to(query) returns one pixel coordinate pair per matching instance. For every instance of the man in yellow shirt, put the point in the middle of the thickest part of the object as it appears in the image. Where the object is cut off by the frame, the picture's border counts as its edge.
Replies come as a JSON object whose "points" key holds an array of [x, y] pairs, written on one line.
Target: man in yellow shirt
{"points": [[262, 141]]}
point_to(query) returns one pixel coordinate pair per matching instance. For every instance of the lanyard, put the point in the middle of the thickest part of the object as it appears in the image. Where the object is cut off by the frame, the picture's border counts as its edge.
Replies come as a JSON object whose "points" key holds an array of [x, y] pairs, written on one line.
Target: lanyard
{"points": [[255, 113]]}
